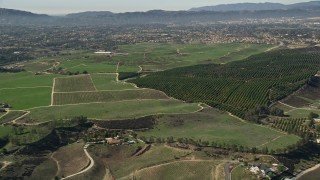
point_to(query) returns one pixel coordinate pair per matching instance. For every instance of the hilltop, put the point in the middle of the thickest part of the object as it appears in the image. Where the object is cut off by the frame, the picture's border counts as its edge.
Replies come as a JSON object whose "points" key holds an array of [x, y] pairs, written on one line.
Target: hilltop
{"points": [[257, 6], [12, 12]]}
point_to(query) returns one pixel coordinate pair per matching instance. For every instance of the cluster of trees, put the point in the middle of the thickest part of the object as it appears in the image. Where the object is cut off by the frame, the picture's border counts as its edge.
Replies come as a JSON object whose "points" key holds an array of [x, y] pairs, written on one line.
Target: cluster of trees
{"points": [[13, 70], [127, 75], [22, 136], [60, 70], [13, 55], [312, 123], [75, 73], [240, 86], [135, 123], [259, 112], [3, 107]]}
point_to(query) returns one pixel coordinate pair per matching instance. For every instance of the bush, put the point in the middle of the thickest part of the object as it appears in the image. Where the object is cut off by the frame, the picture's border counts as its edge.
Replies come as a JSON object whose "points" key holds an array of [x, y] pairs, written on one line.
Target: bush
{"points": [[276, 111]]}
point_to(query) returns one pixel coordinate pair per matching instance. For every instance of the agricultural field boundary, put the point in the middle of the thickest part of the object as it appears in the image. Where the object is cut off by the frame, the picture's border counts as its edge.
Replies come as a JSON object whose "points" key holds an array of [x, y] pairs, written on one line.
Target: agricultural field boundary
{"points": [[34, 87], [93, 83], [287, 105], [270, 141], [52, 92]]}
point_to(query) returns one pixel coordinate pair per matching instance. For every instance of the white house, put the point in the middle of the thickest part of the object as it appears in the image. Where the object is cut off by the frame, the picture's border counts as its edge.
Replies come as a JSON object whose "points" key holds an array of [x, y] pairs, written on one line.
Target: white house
{"points": [[255, 169]]}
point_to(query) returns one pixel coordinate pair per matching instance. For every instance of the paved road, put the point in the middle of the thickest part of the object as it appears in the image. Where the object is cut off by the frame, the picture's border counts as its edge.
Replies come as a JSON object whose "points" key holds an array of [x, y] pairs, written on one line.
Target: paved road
{"points": [[86, 169]]}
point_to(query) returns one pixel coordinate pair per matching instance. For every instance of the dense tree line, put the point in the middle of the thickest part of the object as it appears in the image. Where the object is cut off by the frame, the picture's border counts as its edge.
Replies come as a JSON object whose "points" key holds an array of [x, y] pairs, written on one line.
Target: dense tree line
{"points": [[5, 70], [8, 56], [126, 75], [222, 145]]}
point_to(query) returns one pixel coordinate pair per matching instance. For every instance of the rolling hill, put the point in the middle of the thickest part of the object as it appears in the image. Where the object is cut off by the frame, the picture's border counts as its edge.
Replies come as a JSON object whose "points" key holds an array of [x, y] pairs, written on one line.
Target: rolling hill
{"points": [[258, 6]]}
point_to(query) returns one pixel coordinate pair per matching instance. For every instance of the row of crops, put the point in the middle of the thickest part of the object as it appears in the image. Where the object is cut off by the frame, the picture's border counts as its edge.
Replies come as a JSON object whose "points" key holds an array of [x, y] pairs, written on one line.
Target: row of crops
{"points": [[296, 126], [238, 86], [106, 96]]}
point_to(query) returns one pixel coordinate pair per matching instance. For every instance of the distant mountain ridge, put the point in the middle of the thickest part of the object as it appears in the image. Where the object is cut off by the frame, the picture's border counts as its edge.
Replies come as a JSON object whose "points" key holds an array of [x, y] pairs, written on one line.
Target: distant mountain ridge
{"points": [[257, 6], [13, 12], [89, 14], [16, 17]]}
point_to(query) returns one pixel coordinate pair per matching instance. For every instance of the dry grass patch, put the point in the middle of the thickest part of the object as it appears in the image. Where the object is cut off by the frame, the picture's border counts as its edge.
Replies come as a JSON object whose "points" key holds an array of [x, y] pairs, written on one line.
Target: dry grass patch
{"points": [[71, 159]]}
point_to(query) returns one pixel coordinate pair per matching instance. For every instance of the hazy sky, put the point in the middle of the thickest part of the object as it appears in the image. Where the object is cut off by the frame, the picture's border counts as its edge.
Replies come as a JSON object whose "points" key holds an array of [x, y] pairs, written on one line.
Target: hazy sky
{"points": [[67, 6]]}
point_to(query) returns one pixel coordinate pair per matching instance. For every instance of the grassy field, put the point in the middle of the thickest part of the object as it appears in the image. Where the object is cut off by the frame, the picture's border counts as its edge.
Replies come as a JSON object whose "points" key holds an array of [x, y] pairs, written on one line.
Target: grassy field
{"points": [[97, 172], [283, 107], [302, 113], [212, 125], [121, 157], [38, 66], [106, 96], [281, 142], [108, 82], [74, 83], [124, 68], [166, 56], [241, 173], [25, 79], [46, 170], [2, 113], [25, 90], [111, 110], [204, 170], [5, 131], [155, 56], [11, 116], [24, 98], [71, 159], [94, 67]]}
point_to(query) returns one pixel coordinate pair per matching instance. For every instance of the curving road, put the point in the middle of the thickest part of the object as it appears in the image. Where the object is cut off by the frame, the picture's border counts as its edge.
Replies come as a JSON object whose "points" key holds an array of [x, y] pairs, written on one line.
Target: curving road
{"points": [[86, 169]]}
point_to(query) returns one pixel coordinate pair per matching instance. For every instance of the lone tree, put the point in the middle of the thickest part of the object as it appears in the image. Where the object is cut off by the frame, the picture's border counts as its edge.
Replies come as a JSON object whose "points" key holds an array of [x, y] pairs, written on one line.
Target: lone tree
{"points": [[276, 112], [312, 115]]}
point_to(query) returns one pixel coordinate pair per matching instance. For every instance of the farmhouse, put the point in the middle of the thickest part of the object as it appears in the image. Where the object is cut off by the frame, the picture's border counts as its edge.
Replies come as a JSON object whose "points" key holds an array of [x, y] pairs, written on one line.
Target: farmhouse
{"points": [[256, 169], [113, 141]]}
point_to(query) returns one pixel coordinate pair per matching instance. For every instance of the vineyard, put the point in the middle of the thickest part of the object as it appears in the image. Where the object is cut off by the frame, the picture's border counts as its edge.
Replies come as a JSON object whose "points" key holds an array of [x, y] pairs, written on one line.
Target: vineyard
{"points": [[106, 96], [74, 83], [297, 126], [306, 96], [293, 126], [239, 86]]}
